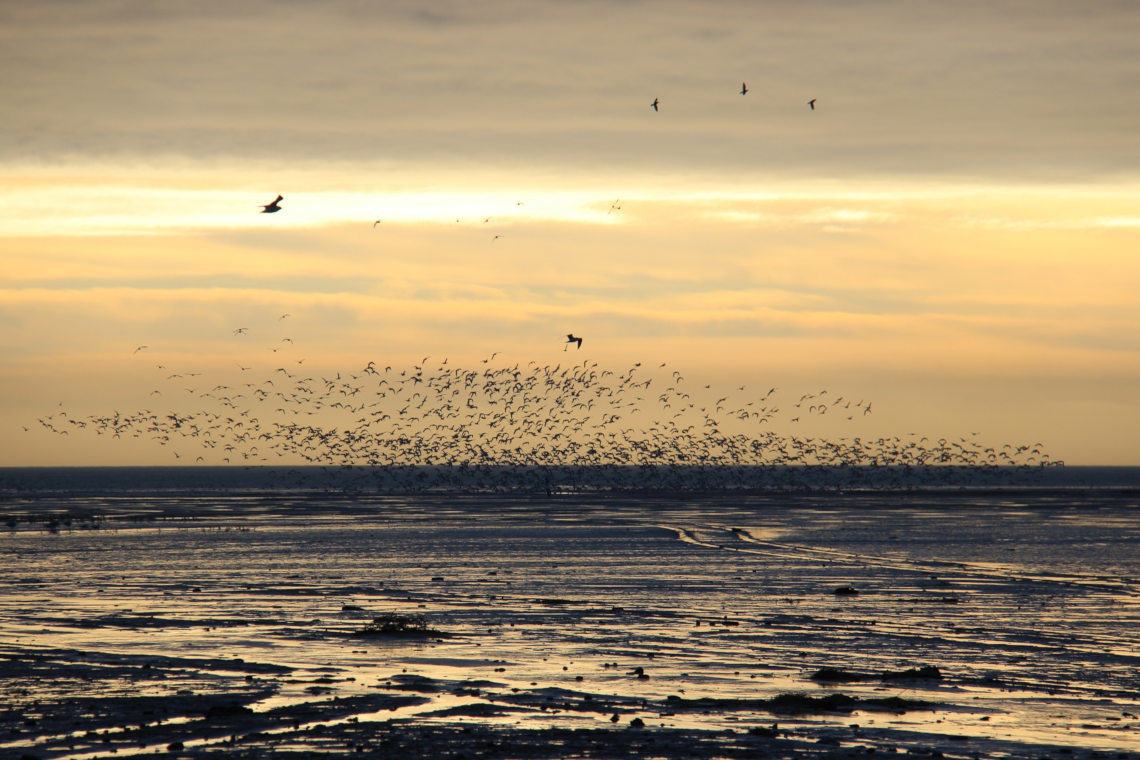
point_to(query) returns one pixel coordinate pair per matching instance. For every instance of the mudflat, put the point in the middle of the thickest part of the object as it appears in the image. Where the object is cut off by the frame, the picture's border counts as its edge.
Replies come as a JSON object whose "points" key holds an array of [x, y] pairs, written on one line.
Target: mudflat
{"points": [[961, 624]]}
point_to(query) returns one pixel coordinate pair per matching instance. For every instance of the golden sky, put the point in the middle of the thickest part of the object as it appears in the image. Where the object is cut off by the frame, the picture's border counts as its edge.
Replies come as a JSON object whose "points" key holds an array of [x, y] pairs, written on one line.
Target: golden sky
{"points": [[953, 231]]}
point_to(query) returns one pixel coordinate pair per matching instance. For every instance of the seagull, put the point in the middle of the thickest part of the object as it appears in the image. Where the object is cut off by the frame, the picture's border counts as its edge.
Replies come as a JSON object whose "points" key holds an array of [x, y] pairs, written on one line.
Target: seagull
{"points": [[743, 88], [570, 338], [615, 206], [812, 103], [376, 223], [272, 208], [653, 105], [140, 348], [241, 331]]}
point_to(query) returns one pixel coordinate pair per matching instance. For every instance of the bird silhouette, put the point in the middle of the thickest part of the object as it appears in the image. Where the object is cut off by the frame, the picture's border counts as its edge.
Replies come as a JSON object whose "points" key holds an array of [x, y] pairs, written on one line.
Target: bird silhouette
{"points": [[570, 338], [653, 105], [272, 208], [743, 88], [811, 103]]}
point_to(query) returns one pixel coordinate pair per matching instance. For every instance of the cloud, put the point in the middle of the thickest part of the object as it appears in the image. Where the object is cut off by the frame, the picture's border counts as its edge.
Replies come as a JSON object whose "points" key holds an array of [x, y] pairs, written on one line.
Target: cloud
{"points": [[114, 319], [1080, 223], [902, 89]]}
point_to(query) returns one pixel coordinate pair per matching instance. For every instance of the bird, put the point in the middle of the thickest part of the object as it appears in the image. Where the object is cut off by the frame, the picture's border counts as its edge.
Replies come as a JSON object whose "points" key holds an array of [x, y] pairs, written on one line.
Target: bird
{"points": [[811, 103], [272, 208], [241, 331], [376, 223], [570, 338], [615, 206], [743, 88], [140, 348], [653, 105]]}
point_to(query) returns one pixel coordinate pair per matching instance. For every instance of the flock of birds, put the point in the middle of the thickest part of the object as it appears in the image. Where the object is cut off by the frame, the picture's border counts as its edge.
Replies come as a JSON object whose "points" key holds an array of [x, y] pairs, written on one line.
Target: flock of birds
{"points": [[438, 419], [587, 424]]}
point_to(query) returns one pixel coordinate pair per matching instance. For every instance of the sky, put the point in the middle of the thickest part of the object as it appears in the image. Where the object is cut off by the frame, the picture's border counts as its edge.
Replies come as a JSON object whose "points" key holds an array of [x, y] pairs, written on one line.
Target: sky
{"points": [[952, 231]]}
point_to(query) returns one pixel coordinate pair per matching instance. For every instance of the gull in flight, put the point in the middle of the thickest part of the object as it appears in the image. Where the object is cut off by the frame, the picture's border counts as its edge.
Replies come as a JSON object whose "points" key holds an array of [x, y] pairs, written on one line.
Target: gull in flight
{"points": [[812, 103], [140, 348], [272, 208], [743, 88], [653, 105], [570, 338]]}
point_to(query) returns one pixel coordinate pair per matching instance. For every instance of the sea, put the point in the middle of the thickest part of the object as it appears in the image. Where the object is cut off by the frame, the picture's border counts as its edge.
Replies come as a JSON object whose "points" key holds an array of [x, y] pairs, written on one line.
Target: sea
{"points": [[75, 482]]}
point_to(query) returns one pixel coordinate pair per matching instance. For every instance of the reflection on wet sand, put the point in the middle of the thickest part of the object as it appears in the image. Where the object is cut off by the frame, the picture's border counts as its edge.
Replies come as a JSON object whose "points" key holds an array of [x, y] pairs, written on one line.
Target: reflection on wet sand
{"points": [[570, 627]]}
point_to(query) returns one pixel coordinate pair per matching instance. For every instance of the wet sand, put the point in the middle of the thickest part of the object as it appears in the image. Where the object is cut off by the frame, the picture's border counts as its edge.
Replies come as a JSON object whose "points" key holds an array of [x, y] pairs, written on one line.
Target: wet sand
{"points": [[828, 625]]}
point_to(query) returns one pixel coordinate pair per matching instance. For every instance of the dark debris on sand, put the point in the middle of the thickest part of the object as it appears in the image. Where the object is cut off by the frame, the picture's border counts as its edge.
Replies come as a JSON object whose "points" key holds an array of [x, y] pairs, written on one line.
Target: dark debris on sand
{"points": [[837, 675], [394, 625]]}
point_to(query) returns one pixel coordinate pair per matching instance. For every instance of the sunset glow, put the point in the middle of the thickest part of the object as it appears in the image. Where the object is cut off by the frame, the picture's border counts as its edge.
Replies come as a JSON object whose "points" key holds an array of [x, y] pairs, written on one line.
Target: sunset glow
{"points": [[951, 231]]}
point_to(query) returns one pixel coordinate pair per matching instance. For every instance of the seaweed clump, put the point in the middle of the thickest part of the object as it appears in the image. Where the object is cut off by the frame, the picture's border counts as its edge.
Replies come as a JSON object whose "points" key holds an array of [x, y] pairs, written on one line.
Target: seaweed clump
{"points": [[836, 675], [399, 626]]}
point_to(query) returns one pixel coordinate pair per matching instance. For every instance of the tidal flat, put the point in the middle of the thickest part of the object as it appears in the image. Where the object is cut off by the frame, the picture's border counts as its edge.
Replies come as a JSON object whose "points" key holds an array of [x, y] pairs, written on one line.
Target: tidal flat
{"points": [[949, 623]]}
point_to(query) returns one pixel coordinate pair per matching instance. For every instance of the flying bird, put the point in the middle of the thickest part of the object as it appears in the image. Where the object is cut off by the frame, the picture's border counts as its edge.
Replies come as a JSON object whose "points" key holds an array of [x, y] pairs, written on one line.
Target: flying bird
{"points": [[272, 208], [241, 331], [570, 338], [812, 103], [653, 105], [376, 223], [140, 348], [743, 88]]}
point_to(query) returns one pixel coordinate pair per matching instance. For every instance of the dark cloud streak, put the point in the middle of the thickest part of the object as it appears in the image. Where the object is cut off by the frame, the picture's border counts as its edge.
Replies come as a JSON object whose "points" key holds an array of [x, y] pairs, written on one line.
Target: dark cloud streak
{"points": [[1010, 92]]}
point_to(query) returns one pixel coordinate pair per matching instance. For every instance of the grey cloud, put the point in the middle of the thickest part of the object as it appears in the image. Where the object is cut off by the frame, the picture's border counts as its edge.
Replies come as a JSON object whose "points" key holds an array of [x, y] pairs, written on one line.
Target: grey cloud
{"points": [[1013, 90]]}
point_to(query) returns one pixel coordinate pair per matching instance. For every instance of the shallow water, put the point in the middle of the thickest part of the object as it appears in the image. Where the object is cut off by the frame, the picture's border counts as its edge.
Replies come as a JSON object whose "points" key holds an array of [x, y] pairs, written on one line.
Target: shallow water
{"points": [[1030, 611]]}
